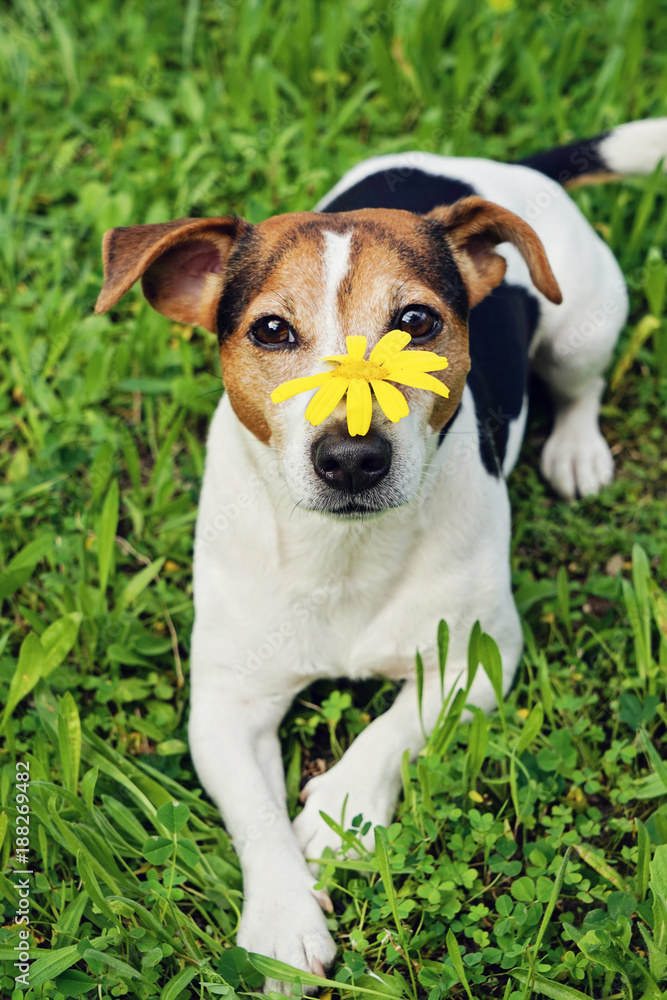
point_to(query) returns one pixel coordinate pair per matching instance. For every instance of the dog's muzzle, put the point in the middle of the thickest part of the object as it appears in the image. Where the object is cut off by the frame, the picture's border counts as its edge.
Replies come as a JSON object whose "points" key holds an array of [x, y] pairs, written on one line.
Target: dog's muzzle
{"points": [[351, 464]]}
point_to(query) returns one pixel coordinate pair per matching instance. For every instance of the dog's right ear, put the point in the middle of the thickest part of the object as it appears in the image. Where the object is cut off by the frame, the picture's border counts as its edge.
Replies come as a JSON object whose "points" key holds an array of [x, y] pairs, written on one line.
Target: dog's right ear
{"points": [[474, 228], [181, 265]]}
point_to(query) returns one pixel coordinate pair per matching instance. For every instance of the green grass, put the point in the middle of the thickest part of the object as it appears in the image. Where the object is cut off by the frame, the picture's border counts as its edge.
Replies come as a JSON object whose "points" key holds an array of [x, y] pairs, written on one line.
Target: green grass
{"points": [[529, 852]]}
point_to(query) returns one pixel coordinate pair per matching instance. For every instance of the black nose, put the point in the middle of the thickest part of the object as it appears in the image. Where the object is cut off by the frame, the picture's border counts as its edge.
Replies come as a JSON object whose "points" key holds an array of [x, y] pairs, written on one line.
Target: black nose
{"points": [[351, 464]]}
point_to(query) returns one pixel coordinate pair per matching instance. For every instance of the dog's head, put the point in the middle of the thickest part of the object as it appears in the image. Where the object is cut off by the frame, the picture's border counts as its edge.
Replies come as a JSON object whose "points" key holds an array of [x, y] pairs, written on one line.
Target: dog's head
{"points": [[283, 294]]}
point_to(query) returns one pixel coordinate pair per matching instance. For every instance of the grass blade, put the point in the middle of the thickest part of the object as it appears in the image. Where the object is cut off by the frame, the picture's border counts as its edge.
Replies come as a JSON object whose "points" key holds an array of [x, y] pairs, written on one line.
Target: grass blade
{"points": [[419, 680], [53, 963], [58, 639], [531, 728], [549, 987], [443, 647], [599, 865], [658, 886], [178, 983], [69, 739], [564, 599], [478, 743], [643, 860], [107, 534], [454, 953], [92, 886], [553, 899], [489, 656], [382, 858], [273, 969], [28, 671], [139, 582]]}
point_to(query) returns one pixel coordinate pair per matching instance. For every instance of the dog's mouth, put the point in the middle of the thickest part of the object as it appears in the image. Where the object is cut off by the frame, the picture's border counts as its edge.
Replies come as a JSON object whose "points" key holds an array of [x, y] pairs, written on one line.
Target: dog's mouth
{"points": [[358, 507], [353, 510]]}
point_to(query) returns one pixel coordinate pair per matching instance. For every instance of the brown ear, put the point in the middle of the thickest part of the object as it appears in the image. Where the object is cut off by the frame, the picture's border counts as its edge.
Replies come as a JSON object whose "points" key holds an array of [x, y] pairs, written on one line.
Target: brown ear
{"points": [[181, 264], [474, 227]]}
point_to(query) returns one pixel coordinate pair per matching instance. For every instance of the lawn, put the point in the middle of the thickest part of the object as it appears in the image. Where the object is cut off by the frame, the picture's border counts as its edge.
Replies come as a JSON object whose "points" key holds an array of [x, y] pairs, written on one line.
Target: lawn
{"points": [[529, 852]]}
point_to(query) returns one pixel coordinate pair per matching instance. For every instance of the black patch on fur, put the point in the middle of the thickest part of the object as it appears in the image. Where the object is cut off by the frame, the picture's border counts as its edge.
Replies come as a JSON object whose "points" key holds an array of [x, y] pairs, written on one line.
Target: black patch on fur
{"points": [[440, 268], [566, 163], [245, 274], [442, 433], [501, 329], [413, 190], [400, 187]]}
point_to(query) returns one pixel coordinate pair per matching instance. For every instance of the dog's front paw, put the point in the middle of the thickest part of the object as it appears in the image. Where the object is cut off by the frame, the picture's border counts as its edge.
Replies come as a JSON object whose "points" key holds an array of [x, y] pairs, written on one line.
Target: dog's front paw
{"points": [[286, 922], [328, 794], [577, 461]]}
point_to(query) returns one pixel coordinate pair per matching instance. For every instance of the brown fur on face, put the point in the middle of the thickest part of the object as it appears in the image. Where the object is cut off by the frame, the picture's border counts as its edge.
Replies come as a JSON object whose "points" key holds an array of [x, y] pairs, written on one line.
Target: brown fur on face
{"points": [[224, 274], [392, 264], [252, 373]]}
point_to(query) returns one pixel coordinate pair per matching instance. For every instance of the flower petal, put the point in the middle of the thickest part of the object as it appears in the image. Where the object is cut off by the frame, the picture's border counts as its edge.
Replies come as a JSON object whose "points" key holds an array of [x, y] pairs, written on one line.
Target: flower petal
{"points": [[420, 380], [389, 346], [356, 348], [417, 361], [326, 400], [297, 385], [392, 401], [359, 407]]}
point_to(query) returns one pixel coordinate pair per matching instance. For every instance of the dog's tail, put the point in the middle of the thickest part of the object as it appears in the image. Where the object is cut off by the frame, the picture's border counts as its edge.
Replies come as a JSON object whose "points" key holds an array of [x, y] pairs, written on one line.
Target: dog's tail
{"points": [[635, 148]]}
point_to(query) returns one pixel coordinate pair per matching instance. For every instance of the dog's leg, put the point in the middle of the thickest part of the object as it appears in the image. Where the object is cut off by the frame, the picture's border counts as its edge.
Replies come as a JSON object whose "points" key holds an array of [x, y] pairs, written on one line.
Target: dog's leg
{"points": [[572, 356], [235, 748], [368, 777], [576, 459]]}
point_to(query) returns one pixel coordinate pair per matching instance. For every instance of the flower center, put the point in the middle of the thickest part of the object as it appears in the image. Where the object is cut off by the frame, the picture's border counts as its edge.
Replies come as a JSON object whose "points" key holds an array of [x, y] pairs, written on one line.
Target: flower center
{"points": [[365, 370]]}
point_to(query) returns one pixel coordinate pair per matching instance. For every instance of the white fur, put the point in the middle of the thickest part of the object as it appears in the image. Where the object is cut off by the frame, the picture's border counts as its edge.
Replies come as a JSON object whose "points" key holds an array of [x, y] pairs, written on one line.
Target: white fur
{"points": [[285, 595], [302, 483], [336, 263], [636, 147]]}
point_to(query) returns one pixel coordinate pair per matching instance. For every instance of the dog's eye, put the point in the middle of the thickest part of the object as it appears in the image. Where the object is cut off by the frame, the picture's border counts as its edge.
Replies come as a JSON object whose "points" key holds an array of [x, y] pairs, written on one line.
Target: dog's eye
{"points": [[272, 331], [419, 321]]}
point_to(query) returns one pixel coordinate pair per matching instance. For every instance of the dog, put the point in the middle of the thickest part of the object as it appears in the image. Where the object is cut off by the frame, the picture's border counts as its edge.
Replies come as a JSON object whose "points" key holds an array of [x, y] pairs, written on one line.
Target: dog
{"points": [[321, 555]]}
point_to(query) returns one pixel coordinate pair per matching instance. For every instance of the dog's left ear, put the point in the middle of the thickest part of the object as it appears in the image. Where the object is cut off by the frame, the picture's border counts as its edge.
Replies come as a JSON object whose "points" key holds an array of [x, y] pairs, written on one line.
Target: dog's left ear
{"points": [[181, 265], [473, 228]]}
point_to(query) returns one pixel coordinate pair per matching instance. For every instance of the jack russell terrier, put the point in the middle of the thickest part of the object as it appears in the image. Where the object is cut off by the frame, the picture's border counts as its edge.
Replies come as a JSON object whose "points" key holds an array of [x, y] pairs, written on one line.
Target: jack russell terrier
{"points": [[323, 555]]}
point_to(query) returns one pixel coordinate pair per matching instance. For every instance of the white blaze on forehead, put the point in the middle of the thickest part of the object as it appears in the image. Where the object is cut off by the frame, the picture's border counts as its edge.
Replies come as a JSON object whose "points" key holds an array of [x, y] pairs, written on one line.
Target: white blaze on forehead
{"points": [[336, 262]]}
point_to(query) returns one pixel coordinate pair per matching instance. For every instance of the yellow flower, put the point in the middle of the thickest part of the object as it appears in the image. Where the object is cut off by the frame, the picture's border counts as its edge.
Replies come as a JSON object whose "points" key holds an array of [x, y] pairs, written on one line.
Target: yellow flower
{"points": [[355, 376]]}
